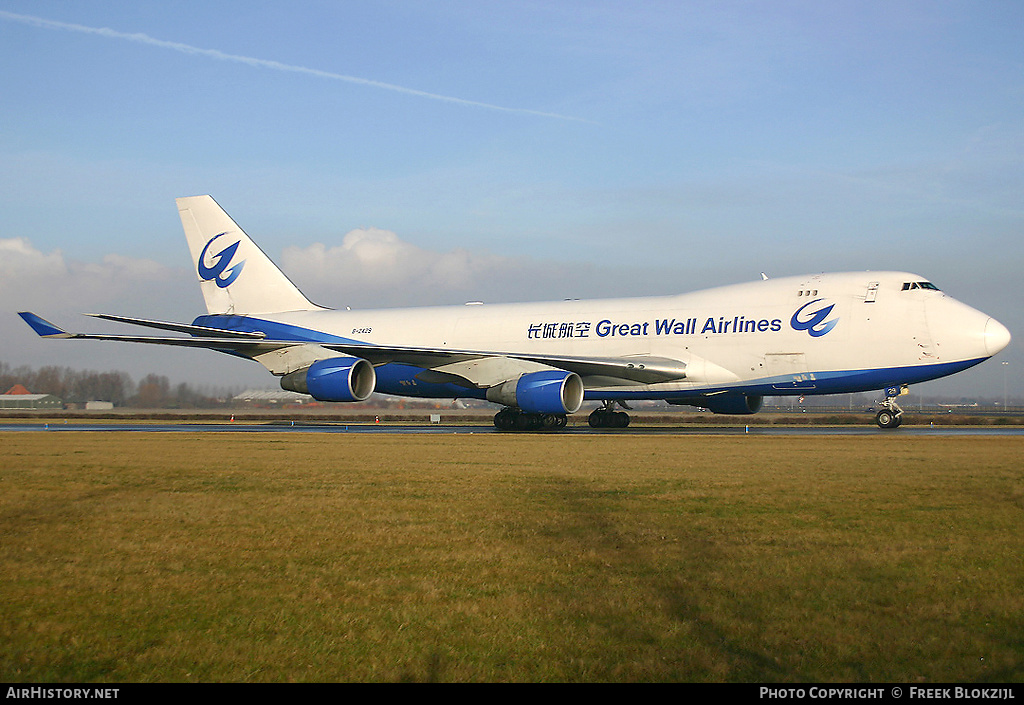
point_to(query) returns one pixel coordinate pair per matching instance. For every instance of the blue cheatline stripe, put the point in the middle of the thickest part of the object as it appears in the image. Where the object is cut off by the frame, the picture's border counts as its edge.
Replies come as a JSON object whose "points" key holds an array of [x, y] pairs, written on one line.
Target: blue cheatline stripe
{"points": [[833, 382]]}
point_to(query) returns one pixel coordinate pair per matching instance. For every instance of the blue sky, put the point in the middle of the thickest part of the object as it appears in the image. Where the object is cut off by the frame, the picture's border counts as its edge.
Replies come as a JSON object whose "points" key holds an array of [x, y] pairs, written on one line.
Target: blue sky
{"points": [[504, 151]]}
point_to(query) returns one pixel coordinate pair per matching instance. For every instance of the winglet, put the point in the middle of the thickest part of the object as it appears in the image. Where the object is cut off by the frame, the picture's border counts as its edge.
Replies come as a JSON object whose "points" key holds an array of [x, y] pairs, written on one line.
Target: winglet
{"points": [[43, 327]]}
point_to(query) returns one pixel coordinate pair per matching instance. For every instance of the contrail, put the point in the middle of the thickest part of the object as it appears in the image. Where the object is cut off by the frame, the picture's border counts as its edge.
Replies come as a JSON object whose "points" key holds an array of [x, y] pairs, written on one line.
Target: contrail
{"points": [[264, 63]]}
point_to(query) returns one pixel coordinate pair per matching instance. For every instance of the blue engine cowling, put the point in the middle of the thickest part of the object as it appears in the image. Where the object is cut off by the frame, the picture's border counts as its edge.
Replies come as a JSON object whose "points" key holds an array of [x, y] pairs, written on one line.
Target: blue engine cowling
{"points": [[724, 403], [334, 379], [545, 392]]}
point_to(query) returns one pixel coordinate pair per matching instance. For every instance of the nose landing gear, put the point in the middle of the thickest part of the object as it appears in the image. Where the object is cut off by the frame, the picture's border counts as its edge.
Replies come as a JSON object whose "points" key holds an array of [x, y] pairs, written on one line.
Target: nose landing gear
{"points": [[891, 415]]}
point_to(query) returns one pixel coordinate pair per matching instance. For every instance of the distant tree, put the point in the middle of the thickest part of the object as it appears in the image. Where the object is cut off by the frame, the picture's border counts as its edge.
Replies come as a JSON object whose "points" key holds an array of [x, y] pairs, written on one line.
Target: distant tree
{"points": [[50, 380], [115, 387], [7, 380], [153, 392], [187, 398]]}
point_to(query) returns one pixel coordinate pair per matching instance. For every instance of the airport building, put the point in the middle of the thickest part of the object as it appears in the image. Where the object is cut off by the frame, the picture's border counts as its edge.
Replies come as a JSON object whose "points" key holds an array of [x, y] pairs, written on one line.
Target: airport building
{"points": [[17, 397]]}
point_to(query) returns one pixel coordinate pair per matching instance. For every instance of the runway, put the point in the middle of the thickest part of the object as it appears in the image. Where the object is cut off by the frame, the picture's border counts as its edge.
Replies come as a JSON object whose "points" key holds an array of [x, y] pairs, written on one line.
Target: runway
{"points": [[468, 429]]}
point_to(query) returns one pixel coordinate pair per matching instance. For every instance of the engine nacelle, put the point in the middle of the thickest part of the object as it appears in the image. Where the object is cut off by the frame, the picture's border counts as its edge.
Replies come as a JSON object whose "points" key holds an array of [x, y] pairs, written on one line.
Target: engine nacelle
{"points": [[334, 379], [725, 403], [545, 392]]}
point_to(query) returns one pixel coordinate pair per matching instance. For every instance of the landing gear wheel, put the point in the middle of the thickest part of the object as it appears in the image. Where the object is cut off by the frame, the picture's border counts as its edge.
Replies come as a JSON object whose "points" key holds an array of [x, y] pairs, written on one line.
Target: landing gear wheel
{"points": [[512, 419], [523, 422], [887, 419], [505, 420], [891, 415], [604, 417]]}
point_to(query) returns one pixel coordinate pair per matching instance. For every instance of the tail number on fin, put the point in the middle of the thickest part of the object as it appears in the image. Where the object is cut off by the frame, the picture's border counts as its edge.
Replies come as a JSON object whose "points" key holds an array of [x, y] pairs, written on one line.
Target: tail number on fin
{"points": [[218, 270]]}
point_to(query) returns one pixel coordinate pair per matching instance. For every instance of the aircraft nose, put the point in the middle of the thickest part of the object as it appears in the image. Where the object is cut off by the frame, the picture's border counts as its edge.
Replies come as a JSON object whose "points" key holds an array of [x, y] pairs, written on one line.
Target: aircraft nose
{"points": [[997, 336]]}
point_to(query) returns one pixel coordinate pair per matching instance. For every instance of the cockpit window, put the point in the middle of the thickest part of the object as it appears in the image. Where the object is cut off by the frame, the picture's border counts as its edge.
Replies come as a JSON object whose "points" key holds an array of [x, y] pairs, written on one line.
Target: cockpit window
{"points": [[907, 286]]}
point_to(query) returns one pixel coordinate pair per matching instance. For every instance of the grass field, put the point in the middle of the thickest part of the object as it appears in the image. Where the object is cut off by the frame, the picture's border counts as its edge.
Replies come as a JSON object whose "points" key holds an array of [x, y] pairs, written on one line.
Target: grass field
{"points": [[306, 557]]}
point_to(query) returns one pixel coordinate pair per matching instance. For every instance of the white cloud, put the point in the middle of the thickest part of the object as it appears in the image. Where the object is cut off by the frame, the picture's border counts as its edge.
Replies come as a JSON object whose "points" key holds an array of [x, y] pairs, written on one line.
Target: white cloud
{"points": [[19, 258], [30, 277], [374, 267]]}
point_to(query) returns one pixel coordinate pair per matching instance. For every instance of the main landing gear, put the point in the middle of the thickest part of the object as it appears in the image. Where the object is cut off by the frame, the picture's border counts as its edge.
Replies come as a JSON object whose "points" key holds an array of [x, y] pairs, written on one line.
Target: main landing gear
{"points": [[606, 417], [891, 415], [513, 419]]}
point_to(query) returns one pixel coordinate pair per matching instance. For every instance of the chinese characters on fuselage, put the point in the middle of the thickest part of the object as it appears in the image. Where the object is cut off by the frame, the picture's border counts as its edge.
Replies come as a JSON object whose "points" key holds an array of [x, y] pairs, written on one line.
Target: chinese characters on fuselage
{"points": [[607, 328]]}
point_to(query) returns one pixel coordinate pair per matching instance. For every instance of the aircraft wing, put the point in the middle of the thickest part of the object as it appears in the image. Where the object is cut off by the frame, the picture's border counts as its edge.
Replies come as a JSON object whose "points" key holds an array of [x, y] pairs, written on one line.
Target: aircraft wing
{"points": [[474, 368]]}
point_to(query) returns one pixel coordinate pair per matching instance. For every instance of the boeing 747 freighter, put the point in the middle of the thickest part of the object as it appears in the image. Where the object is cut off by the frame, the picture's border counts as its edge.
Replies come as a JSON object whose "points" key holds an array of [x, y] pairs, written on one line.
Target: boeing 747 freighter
{"points": [[722, 349]]}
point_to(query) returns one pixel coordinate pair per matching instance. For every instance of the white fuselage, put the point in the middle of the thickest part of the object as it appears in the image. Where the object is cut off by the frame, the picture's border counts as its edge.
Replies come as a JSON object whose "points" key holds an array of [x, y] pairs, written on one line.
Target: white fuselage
{"points": [[826, 333]]}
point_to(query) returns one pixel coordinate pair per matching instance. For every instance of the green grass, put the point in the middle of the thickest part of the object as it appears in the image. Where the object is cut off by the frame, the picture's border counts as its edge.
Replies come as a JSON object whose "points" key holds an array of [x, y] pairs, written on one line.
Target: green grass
{"points": [[294, 557]]}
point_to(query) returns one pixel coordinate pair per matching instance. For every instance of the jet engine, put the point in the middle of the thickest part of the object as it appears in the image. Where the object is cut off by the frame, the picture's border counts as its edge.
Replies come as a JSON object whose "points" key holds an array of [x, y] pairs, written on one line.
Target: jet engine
{"points": [[724, 403], [334, 379], [544, 392]]}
